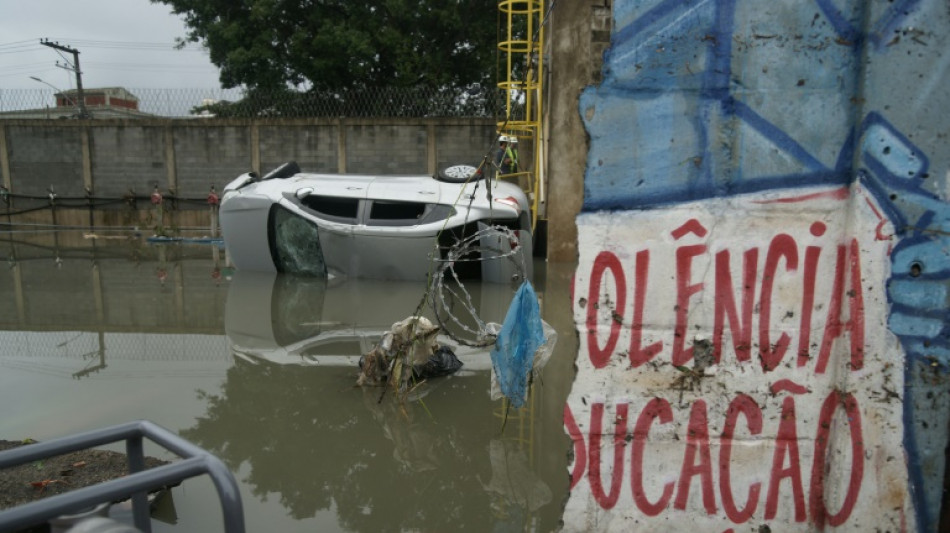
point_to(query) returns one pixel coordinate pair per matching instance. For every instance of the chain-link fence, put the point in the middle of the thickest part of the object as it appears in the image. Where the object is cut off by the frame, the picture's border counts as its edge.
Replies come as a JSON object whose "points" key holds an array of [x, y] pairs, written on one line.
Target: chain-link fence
{"points": [[238, 103]]}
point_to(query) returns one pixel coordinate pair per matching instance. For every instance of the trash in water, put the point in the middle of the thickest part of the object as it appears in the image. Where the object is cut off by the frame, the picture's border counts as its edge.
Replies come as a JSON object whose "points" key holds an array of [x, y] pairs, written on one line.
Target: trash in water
{"points": [[442, 363], [407, 353], [523, 346]]}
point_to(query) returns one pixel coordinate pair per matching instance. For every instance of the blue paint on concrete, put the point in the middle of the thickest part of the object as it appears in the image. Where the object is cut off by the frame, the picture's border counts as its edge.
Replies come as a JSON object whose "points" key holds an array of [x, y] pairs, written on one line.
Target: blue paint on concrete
{"points": [[674, 122], [929, 296], [885, 29]]}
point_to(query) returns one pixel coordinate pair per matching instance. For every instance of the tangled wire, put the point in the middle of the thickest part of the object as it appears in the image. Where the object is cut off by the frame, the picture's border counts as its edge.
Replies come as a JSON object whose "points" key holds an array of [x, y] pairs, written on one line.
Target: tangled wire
{"points": [[492, 243]]}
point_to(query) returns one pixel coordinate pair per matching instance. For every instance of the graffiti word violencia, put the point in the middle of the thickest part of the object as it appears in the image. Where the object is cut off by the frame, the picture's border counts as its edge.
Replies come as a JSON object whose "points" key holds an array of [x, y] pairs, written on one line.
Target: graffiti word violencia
{"points": [[698, 464], [735, 304]]}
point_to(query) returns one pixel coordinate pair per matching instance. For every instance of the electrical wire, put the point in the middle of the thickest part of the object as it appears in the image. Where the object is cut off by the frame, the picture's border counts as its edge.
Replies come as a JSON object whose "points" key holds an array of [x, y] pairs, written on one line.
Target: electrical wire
{"points": [[132, 45]]}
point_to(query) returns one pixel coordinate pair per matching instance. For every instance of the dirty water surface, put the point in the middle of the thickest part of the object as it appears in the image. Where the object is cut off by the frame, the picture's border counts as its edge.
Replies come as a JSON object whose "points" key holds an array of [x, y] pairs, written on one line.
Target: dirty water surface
{"points": [[261, 370]]}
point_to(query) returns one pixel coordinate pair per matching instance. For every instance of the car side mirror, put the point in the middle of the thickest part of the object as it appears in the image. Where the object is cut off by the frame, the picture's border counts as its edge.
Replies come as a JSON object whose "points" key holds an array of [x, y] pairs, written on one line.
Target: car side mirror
{"points": [[303, 193]]}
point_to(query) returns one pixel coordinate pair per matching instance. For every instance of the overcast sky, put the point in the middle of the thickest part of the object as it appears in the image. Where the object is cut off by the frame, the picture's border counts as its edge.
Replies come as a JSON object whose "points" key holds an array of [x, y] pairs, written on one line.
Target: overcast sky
{"points": [[122, 43]]}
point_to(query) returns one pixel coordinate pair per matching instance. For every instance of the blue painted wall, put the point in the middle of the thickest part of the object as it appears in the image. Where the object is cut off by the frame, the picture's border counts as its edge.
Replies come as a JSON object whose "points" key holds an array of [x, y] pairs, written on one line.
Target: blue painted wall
{"points": [[712, 99]]}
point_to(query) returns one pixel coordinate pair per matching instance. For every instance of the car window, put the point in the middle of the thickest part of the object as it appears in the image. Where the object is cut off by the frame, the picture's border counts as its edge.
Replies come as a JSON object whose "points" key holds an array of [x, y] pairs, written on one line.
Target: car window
{"points": [[437, 212], [295, 243], [334, 208], [389, 213]]}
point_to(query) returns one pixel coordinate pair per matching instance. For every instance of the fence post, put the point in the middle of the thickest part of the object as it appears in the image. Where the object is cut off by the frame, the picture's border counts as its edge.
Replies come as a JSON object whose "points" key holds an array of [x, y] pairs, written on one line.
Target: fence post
{"points": [[432, 156], [213, 201], [255, 148], [86, 158], [341, 146], [171, 172], [159, 213]]}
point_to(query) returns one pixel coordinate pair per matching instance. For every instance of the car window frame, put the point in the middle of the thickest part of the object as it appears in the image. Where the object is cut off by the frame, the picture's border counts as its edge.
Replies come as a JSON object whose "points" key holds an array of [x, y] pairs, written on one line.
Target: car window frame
{"points": [[354, 221]]}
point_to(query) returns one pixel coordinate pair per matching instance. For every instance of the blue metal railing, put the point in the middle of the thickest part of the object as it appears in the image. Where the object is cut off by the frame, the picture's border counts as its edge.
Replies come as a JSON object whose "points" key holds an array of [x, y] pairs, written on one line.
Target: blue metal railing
{"points": [[195, 462]]}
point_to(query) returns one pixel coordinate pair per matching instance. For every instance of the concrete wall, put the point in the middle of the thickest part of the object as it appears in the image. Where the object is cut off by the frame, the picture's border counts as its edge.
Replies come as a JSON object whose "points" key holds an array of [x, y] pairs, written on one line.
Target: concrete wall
{"points": [[577, 35], [761, 290], [39, 157], [112, 157]]}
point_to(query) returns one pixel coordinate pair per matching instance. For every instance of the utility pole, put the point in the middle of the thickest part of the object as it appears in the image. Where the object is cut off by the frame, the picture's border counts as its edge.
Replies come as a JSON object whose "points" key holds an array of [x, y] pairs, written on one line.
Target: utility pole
{"points": [[75, 68]]}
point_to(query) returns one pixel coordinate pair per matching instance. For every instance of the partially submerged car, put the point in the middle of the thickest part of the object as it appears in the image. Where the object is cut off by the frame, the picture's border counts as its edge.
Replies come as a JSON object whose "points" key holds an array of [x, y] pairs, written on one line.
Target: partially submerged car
{"points": [[378, 227], [307, 321]]}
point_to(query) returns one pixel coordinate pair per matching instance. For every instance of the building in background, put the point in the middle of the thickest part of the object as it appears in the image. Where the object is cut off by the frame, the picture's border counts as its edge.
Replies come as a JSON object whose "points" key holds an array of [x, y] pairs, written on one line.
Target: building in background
{"points": [[105, 102]]}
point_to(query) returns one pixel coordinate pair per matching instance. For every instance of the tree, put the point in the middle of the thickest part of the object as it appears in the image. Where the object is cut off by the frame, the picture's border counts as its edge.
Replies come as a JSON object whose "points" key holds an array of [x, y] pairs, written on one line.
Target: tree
{"points": [[322, 45]]}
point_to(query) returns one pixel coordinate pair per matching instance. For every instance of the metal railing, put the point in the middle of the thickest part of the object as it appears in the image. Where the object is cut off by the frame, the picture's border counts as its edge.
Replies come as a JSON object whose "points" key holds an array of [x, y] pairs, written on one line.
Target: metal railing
{"points": [[195, 462]]}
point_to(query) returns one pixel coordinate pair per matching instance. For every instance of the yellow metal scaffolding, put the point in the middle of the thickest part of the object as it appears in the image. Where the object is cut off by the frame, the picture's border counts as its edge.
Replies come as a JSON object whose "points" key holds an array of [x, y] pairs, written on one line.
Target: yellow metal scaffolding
{"points": [[521, 43]]}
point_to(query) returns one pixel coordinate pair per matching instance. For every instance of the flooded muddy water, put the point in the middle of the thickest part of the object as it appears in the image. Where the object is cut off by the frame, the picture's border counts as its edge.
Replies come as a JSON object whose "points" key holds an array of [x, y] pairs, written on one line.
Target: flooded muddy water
{"points": [[261, 371]]}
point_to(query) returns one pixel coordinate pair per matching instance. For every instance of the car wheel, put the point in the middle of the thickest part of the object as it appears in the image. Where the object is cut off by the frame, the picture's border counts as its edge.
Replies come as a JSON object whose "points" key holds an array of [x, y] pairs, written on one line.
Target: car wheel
{"points": [[459, 174], [284, 171]]}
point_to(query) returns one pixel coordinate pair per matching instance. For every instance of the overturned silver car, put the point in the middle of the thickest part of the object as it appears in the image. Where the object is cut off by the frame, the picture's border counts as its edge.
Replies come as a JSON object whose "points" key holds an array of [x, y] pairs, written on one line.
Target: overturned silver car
{"points": [[378, 227]]}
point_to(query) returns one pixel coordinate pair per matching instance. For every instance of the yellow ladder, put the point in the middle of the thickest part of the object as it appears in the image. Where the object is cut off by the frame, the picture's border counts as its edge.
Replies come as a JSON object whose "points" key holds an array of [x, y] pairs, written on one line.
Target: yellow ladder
{"points": [[521, 44]]}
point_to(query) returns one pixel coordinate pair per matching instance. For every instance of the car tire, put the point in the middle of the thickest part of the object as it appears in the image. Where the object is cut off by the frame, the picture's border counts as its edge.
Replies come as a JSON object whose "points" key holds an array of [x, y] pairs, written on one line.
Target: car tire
{"points": [[460, 174], [287, 170]]}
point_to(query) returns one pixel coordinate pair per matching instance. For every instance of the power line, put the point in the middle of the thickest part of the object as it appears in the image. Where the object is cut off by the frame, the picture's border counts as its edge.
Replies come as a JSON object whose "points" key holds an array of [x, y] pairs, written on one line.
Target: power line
{"points": [[16, 44], [137, 45], [29, 45], [24, 66], [108, 65]]}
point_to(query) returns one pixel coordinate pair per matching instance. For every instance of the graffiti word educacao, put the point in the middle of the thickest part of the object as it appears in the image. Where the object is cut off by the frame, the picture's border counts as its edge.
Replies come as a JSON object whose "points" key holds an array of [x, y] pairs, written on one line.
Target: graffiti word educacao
{"points": [[786, 472]]}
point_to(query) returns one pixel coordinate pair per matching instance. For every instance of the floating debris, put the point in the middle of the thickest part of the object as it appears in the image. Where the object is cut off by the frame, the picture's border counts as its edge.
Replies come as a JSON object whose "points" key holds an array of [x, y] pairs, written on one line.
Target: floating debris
{"points": [[407, 354], [523, 346]]}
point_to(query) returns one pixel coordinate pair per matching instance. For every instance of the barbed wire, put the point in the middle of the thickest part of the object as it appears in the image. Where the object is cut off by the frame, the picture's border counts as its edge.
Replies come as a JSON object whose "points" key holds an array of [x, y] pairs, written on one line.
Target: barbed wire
{"points": [[444, 294]]}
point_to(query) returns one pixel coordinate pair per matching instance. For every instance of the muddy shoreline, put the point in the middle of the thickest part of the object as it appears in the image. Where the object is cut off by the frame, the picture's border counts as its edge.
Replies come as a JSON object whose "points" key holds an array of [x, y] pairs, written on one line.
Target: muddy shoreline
{"points": [[59, 474]]}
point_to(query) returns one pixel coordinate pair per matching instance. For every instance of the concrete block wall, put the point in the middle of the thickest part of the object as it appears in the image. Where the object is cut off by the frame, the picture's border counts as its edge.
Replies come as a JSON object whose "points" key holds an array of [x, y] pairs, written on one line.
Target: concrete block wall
{"points": [[761, 294], [40, 156], [386, 149], [463, 144], [113, 156], [313, 147], [210, 155], [128, 157]]}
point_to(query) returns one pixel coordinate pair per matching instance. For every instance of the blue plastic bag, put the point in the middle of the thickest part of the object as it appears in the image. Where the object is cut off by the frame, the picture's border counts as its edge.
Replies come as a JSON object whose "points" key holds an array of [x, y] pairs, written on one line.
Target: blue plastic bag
{"points": [[520, 337]]}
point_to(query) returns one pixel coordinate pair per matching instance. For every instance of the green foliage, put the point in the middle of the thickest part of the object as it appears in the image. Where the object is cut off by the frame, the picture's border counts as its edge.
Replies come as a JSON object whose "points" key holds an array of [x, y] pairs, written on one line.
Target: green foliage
{"points": [[323, 45]]}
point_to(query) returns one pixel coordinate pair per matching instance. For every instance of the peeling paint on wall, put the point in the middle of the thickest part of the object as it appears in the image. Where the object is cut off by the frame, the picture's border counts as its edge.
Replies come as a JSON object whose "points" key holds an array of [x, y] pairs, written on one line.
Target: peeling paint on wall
{"points": [[762, 288]]}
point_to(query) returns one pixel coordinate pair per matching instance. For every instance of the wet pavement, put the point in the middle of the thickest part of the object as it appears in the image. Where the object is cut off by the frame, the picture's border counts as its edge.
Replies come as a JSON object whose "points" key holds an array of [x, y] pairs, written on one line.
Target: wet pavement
{"points": [[260, 370]]}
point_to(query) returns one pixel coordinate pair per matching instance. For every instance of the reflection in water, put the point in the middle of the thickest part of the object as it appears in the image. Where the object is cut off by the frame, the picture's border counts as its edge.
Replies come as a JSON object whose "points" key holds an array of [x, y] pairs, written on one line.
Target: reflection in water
{"points": [[315, 440], [290, 416], [97, 312], [274, 360], [311, 321], [515, 489]]}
